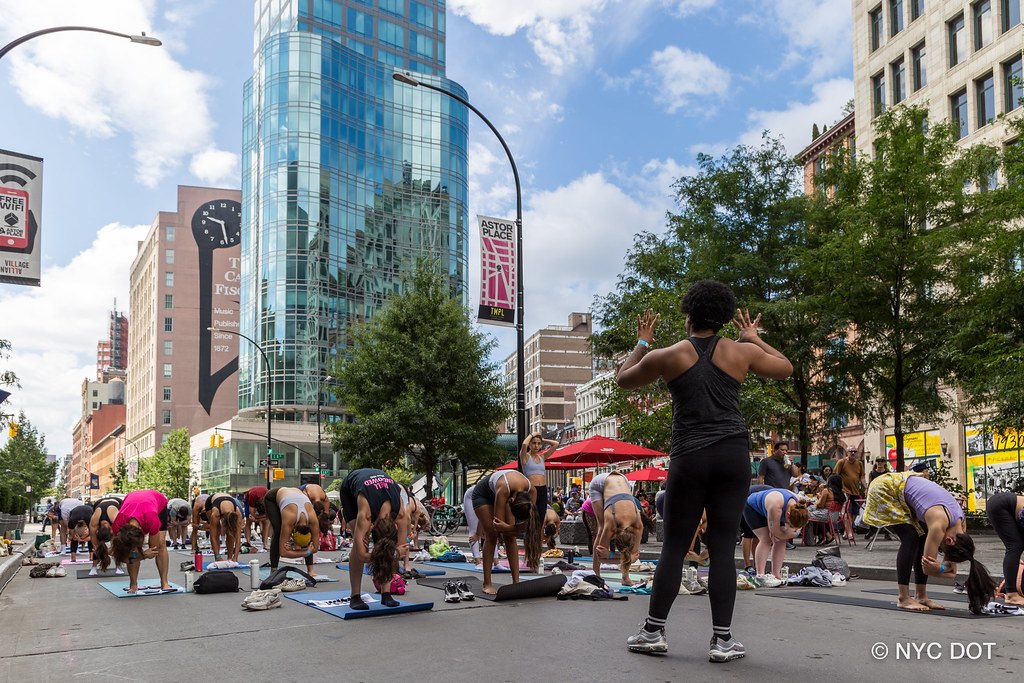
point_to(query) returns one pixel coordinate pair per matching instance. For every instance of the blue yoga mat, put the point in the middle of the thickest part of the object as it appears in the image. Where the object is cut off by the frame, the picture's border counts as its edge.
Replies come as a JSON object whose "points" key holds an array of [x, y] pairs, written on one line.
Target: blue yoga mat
{"points": [[345, 612], [118, 588], [424, 572]]}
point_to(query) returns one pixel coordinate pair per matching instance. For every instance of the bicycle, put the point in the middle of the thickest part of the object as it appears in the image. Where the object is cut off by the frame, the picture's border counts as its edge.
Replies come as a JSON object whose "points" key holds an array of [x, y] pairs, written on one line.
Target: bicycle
{"points": [[444, 519]]}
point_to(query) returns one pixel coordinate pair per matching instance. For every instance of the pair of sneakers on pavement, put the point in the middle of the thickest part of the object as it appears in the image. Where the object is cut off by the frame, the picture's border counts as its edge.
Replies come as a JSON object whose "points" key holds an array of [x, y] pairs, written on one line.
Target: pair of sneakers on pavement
{"points": [[654, 642], [693, 586], [457, 591], [262, 600], [763, 580], [95, 571]]}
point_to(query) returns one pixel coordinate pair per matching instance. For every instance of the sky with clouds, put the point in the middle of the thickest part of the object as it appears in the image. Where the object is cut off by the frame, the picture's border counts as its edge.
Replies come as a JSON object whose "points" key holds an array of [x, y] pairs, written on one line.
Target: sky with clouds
{"points": [[604, 103]]}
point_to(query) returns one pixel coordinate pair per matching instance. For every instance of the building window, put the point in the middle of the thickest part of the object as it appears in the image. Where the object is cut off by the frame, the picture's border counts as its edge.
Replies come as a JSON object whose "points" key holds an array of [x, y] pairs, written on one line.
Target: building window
{"points": [[167, 370], [95, 392], [421, 45], [420, 14], [875, 20], [168, 324], [168, 279], [168, 256], [895, 16], [985, 96], [982, 24], [163, 438], [393, 6], [391, 34], [916, 9], [360, 22], [168, 301], [168, 347], [359, 46], [167, 393], [878, 93], [1013, 89], [957, 40], [165, 418], [899, 81], [1011, 13], [917, 55], [958, 112], [169, 233]]}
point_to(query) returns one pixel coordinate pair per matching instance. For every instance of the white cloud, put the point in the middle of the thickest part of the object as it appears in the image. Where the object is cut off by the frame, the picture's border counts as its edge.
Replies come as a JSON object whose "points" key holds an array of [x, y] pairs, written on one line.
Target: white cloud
{"points": [[685, 8], [795, 121], [681, 76], [53, 353], [818, 33], [217, 167], [105, 87]]}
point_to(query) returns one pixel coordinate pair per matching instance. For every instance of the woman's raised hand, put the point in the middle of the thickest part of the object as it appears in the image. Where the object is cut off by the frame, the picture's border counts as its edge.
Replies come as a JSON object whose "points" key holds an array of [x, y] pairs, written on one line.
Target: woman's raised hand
{"points": [[747, 327], [645, 324]]}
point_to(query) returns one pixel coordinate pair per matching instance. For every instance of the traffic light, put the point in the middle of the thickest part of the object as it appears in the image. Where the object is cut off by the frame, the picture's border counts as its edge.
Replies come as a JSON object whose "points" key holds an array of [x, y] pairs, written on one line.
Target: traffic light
{"points": [[12, 429], [213, 440], [278, 473], [220, 441]]}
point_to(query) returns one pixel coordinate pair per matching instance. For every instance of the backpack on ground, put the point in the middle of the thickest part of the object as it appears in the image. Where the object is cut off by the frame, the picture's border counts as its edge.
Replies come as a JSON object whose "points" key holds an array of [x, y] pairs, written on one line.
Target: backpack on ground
{"points": [[279, 575], [216, 582], [830, 560]]}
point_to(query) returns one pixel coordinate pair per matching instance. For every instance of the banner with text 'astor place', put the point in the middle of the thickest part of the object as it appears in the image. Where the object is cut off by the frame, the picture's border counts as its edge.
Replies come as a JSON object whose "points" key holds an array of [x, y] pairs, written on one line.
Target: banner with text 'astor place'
{"points": [[497, 271], [21, 205]]}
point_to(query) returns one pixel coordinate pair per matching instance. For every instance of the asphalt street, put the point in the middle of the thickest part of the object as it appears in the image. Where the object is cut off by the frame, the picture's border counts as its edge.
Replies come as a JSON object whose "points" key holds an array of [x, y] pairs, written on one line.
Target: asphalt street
{"points": [[68, 628]]}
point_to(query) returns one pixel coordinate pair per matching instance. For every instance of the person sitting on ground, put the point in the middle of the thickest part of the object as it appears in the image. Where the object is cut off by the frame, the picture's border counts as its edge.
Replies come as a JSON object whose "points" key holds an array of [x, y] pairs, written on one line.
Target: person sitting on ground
{"points": [[256, 513], [619, 522], [927, 520], [78, 528], [222, 508], [1005, 510], [142, 512], [371, 502], [101, 533], [200, 520], [552, 523], [774, 516], [178, 510], [295, 529], [503, 505]]}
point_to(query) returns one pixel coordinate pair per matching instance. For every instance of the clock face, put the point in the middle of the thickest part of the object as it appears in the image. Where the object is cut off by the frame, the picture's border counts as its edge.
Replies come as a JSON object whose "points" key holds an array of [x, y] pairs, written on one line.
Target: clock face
{"points": [[218, 223]]}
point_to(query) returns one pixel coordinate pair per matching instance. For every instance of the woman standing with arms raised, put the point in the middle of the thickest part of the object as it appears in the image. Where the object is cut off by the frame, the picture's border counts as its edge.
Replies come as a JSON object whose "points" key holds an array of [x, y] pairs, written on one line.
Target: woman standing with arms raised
{"points": [[710, 456], [533, 456]]}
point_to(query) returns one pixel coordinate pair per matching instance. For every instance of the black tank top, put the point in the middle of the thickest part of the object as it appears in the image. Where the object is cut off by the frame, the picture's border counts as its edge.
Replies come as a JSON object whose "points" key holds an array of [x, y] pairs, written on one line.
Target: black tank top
{"points": [[705, 403], [377, 487], [104, 506]]}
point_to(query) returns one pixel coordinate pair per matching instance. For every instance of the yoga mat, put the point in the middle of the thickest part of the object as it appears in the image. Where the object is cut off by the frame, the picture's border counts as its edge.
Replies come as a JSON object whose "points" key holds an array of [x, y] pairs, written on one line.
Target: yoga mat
{"points": [[109, 574], [424, 571], [301, 561], [345, 612], [934, 595], [856, 601], [538, 587], [67, 562], [117, 588]]}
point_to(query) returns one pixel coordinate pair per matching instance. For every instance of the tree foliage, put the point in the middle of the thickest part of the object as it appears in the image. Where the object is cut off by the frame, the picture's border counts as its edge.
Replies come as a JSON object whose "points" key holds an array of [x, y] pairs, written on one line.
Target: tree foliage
{"points": [[168, 470], [25, 455], [119, 477], [419, 384]]}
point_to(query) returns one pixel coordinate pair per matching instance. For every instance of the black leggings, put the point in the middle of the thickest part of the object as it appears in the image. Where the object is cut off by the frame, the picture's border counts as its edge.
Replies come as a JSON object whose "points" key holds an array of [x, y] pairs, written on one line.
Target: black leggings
{"points": [[274, 517], [910, 553], [717, 479], [542, 504], [1001, 509]]}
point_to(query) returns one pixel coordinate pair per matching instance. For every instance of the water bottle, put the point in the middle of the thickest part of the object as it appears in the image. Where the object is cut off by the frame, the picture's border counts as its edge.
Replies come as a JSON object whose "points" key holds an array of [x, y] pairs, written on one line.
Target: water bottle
{"points": [[198, 561], [189, 579], [785, 573], [254, 574]]}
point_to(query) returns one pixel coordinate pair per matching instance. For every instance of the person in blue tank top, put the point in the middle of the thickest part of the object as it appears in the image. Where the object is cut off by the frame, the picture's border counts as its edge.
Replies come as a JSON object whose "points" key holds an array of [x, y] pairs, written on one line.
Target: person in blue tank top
{"points": [[710, 451], [774, 515]]}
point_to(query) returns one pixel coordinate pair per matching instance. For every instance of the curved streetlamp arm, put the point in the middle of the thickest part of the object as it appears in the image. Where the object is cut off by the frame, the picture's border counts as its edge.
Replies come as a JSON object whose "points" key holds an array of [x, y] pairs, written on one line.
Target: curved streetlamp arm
{"points": [[141, 38]]}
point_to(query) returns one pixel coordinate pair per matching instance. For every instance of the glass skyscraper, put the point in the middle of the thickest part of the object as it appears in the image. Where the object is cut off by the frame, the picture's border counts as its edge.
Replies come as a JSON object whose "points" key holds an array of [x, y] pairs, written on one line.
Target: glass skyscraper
{"points": [[348, 178]]}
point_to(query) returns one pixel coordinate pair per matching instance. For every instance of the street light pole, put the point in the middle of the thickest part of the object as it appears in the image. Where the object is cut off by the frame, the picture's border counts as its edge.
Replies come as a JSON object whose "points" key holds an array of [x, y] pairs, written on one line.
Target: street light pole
{"points": [[270, 398], [142, 38], [520, 351]]}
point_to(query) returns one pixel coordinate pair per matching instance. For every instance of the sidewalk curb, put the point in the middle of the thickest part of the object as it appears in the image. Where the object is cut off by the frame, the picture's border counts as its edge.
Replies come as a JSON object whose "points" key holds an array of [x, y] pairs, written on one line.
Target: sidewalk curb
{"points": [[12, 564]]}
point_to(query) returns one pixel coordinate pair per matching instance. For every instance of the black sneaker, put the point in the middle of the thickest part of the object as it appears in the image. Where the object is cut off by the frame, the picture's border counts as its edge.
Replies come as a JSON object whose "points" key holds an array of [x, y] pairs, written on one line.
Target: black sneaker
{"points": [[451, 593], [464, 593]]}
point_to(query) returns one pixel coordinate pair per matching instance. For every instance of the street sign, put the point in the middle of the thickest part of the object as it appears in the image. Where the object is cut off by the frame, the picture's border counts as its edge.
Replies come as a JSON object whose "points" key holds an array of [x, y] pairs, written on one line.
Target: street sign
{"points": [[263, 462], [325, 473], [275, 463]]}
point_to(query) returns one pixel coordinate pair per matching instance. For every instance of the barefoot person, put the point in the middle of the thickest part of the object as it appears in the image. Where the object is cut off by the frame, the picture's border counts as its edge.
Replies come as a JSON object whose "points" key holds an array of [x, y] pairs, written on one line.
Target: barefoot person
{"points": [[256, 513], [552, 523], [200, 520], [223, 511], [371, 503], [100, 533], [618, 525], [295, 529], [774, 516], [709, 453], [532, 456], [142, 512], [502, 505], [78, 528], [1005, 511], [927, 520]]}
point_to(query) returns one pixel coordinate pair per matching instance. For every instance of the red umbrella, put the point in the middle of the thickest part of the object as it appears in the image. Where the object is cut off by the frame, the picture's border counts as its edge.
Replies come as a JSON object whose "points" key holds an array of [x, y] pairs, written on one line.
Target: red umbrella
{"points": [[511, 465], [601, 449], [648, 474]]}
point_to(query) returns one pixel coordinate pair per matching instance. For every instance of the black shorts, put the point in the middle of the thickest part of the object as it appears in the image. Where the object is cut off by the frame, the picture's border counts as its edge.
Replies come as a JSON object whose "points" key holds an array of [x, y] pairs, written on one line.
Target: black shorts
{"points": [[482, 494], [165, 517], [349, 505], [744, 527], [217, 499]]}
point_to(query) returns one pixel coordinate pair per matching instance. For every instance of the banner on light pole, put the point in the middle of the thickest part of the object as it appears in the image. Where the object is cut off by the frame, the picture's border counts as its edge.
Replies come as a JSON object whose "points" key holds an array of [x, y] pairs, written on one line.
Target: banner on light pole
{"points": [[21, 204], [497, 271]]}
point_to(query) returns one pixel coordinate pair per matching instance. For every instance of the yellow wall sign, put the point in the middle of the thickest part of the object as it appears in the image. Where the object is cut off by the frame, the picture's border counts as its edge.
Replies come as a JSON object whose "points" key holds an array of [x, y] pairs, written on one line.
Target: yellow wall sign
{"points": [[993, 463], [916, 446]]}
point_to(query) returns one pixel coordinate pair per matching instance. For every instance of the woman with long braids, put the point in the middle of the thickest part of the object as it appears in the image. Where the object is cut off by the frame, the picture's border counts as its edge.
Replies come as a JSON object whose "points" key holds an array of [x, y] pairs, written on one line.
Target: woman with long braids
{"points": [[371, 503], [532, 457], [710, 457], [503, 505], [618, 521], [142, 512], [222, 508], [1005, 511], [927, 520], [101, 532]]}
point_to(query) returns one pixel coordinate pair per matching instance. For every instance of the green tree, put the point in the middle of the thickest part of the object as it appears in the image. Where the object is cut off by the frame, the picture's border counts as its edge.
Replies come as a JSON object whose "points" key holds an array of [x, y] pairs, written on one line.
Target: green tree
{"points": [[895, 232], [742, 222], [25, 456], [168, 470], [119, 477], [419, 384], [7, 378]]}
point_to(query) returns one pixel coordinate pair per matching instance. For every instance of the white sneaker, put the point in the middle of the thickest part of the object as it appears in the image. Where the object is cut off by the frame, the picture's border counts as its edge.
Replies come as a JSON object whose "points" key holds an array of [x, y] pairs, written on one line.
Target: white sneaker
{"points": [[119, 571], [93, 572], [292, 585], [262, 600], [768, 580], [60, 571]]}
